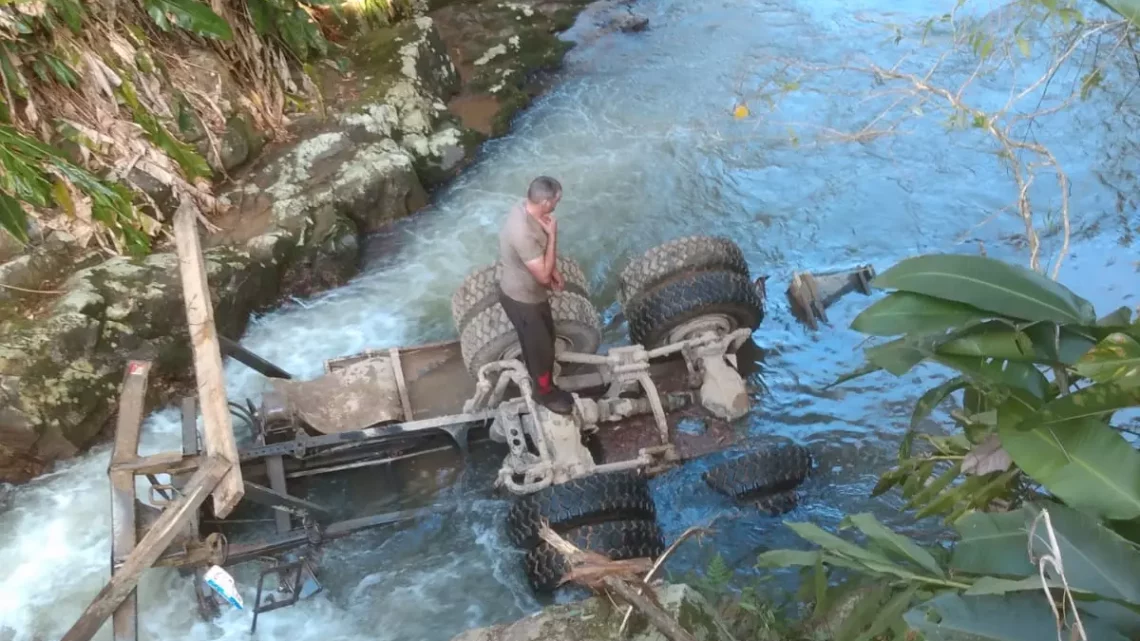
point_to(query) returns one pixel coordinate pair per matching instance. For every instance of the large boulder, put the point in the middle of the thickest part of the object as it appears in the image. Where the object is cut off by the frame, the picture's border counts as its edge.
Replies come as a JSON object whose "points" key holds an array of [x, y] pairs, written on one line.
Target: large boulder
{"points": [[595, 619], [410, 78]]}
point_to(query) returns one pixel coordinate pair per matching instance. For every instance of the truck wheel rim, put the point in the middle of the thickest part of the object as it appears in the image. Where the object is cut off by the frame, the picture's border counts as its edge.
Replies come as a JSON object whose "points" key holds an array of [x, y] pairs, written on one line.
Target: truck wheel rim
{"points": [[715, 323]]}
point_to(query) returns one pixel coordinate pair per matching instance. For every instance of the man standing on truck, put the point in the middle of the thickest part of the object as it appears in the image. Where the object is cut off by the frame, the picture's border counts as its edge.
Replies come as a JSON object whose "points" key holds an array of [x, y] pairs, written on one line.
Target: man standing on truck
{"points": [[528, 246]]}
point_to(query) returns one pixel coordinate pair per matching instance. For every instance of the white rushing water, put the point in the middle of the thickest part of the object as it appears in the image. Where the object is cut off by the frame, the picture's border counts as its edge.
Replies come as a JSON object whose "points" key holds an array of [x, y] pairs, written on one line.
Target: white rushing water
{"points": [[640, 133]]}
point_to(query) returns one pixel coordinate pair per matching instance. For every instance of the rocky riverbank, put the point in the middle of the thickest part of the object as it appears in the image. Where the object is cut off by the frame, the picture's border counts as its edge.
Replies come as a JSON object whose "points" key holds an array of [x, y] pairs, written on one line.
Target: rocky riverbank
{"points": [[421, 96]]}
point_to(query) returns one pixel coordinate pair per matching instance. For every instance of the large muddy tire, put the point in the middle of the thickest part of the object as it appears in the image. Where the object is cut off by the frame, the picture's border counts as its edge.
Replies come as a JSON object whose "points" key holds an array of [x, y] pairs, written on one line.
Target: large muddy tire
{"points": [[616, 540], [480, 289], [489, 336], [585, 501], [761, 474], [680, 256], [688, 303]]}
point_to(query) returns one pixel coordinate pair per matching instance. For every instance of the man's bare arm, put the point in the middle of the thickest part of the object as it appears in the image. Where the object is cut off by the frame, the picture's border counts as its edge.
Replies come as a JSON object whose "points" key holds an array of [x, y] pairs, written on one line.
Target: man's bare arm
{"points": [[542, 268]]}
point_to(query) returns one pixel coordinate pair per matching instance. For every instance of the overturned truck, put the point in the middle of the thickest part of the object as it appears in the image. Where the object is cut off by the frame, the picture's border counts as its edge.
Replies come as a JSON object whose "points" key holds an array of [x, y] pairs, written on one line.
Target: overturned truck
{"points": [[690, 305]]}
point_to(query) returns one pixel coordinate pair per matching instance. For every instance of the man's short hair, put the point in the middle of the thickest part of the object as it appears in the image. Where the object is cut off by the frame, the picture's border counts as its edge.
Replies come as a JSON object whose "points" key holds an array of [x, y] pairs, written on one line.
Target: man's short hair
{"points": [[543, 188]]}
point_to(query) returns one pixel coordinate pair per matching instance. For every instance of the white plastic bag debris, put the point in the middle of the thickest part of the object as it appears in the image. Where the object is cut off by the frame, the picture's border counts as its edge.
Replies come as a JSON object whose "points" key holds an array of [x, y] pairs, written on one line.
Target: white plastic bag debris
{"points": [[224, 585]]}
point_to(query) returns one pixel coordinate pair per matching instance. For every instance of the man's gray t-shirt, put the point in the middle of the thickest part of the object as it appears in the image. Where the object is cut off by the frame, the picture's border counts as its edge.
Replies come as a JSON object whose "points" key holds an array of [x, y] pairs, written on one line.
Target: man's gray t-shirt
{"points": [[521, 239]]}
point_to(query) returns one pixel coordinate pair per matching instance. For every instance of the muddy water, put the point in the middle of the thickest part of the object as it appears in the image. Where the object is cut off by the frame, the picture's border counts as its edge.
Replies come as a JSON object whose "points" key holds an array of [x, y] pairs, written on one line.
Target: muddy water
{"points": [[640, 132]]}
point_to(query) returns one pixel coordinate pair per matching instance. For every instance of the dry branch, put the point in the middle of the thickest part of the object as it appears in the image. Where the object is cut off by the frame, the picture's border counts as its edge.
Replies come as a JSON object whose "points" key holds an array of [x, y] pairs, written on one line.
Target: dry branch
{"points": [[598, 572], [910, 93]]}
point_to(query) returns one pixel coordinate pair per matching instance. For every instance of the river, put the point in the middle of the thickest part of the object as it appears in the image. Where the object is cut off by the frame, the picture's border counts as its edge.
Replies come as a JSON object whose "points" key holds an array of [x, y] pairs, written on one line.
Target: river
{"points": [[639, 129]]}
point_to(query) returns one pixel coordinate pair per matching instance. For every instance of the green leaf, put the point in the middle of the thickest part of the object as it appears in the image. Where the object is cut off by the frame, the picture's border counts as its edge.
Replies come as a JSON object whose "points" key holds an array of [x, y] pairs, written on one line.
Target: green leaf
{"points": [[993, 543], [890, 613], [1083, 462], [1119, 317], [947, 500], [1012, 617], [897, 356], [1023, 45], [999, 373], [191, 15], [1097, 400], [13, 218], [897, 543], [260, 15], [941, 483], [988, 284], [1096, 559], [994, 585], [1117, 356], [787, 558], [869, 368], [909, 313], [1059, 345], [1120, 617], [933, 397], [70, 11]]}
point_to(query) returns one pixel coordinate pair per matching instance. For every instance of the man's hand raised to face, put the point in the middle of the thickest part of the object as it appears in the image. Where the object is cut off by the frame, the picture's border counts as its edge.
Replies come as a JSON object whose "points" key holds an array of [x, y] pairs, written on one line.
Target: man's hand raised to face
{"points": [[549, 225]]}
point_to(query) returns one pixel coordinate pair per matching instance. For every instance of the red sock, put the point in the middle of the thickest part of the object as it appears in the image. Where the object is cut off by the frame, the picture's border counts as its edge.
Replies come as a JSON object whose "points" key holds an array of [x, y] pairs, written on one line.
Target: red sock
{"points": [[544, 383]]}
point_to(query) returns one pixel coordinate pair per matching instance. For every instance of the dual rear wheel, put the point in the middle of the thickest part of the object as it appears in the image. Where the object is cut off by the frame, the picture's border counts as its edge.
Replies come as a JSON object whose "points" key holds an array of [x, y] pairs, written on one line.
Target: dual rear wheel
{"points": [[671, 292]]}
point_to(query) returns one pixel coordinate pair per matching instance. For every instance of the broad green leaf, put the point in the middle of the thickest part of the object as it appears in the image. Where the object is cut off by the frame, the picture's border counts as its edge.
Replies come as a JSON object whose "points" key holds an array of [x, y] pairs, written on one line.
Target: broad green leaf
{"points": [[988, 284], [832, 543], [801, 558], [1083, 462], [1120, 316], [1096, 559], [895, 542], [191, 15], [1022, 616], [994, 585], [993, 543], [13, 218], [260, 14], [1117, 356], [998, 340], [890, 613], [998, 373], [897, 356], [1120, 617], [857, 616], [787, 558], [1059, 344], [909, 313], [1097, 400], [933, 397]]}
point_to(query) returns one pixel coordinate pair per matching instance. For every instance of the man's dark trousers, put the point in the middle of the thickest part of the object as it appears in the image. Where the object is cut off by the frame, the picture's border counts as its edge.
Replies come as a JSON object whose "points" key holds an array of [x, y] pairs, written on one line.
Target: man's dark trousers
{"points": [[534, 324]]}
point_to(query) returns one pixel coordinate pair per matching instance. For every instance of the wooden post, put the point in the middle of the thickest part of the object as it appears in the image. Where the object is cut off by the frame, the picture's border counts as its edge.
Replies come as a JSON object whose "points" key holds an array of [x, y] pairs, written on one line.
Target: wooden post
{"points": [[157, 539], [218, 436], [132, 399]]}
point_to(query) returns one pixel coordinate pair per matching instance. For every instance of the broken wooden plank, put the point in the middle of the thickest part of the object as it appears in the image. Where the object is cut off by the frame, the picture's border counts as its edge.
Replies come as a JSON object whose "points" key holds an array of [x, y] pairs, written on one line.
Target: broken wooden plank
{"points": [[162, 463], [218, 436], [132, 398], [128, 425], [124, 581]]}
